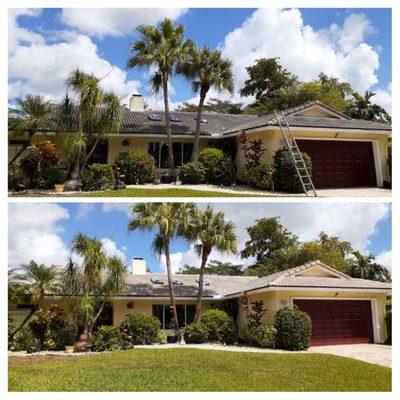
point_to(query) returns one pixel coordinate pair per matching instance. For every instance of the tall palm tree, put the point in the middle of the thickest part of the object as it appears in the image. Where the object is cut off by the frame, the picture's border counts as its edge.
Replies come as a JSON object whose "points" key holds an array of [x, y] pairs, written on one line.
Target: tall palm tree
{"points": [[361, 107], [169, 220], [30, 114], [94, 282], [210, 230], [161, 47], [206, 69], [365, 267], [32, 280], [93, 113]]}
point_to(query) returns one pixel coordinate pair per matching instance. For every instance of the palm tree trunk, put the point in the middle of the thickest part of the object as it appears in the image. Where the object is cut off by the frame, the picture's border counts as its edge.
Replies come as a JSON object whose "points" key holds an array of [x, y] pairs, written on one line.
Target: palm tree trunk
{"points": [[170, 285], [86, 159], [195, 151], [168, 127], [23, 148], [204, 258]]}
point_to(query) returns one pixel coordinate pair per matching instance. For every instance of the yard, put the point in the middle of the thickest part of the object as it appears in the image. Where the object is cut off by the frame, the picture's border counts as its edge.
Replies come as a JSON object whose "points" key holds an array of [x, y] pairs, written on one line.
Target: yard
{"points": [[196, 370]]}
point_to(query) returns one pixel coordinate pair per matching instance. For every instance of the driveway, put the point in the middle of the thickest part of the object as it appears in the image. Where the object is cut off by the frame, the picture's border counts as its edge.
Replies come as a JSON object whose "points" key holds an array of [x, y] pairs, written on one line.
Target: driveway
{"points": [[373, 353], [355, 192]]}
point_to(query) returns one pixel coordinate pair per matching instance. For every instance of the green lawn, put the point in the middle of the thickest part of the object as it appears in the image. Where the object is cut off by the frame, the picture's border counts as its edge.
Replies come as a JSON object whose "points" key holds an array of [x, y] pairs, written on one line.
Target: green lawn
{"points": [[200, 370]]}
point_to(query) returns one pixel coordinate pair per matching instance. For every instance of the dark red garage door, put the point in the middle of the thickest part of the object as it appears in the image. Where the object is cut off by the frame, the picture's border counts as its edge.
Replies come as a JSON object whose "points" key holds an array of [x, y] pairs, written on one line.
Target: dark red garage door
{"points": [[339, 321], [340, 163]]}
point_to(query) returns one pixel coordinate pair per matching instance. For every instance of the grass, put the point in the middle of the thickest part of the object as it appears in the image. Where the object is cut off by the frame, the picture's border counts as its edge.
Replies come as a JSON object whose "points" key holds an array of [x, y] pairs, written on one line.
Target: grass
{"points": [[198, 370]]}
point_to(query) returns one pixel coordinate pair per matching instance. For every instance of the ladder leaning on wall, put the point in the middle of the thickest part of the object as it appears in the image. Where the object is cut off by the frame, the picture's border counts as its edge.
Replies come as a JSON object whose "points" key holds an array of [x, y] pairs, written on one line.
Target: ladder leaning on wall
{"points": [[295, 153]]}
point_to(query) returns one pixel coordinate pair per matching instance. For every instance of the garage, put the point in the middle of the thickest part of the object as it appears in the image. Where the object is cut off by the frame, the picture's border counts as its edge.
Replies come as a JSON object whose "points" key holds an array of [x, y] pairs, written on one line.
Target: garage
{"points": [[340, 163], [339, 321]]}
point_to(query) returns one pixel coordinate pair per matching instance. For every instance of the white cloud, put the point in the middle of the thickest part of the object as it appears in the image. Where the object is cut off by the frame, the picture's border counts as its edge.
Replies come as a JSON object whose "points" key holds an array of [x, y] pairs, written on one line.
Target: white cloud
{"points": [[116, 21], [111, 249], [84, 210], [383, 97], [339, 51], [34, 234], [121, 207], [385, 258]]}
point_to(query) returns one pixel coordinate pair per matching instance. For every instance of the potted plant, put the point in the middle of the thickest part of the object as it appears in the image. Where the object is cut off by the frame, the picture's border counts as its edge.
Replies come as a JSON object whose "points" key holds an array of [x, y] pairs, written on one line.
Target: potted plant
{"points": [[69, 349], [59, 188]]}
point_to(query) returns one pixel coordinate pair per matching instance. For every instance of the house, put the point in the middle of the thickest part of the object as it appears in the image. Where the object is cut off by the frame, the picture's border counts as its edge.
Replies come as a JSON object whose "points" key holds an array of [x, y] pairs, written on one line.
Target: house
{"points": [[343, 309], [345, 152]]}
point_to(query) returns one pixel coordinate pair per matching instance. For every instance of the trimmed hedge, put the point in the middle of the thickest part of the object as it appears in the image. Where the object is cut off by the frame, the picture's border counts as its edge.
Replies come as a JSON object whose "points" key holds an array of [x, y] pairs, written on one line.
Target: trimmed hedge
{"points": [[136, 167], [98, 177], [107, 338], [388, 322], [293, 329], [143, 327], [192, 173], [285, 177], [220, 326], [195, 333], [260, 177]]}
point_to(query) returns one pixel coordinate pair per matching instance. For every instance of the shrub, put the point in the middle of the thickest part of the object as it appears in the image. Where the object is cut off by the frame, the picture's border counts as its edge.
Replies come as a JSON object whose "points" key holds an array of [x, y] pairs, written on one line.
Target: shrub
{"points": [[220, 327], [226, 173], [107, 338], [136, 167], [265, 336], [293, 329], [260, 177], [285, 177], [98, 177], [143, 327], [211, 159], [388, 321], [51, 176], [57, 340], [23, 339], [192, 173], [195, 333]]}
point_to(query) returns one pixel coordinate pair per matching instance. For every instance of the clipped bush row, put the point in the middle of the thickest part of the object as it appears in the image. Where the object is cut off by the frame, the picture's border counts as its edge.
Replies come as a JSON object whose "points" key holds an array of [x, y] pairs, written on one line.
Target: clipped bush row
{"points": [[136, 167]]}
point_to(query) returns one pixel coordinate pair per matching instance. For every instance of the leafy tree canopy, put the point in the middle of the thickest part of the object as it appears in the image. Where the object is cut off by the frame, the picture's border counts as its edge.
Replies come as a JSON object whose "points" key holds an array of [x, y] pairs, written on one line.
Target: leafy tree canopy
{"points": [[214, 105], [214, 267]]}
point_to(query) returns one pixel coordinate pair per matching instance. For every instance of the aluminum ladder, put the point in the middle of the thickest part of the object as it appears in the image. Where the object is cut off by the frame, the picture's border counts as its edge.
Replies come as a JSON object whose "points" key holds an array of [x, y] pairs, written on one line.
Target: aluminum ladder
{"points": [[295, 153]]}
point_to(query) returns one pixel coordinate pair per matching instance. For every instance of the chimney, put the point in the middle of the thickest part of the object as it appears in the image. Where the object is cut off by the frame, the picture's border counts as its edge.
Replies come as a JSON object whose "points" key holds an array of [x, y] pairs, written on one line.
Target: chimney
{"points": [[136, 103], [138, 266]]}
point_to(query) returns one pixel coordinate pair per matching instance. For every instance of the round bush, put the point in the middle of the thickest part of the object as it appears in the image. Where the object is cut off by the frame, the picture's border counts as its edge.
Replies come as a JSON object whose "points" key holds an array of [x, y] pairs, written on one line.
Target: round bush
{"points": [[265, 336], [23, 339], [57, 340], [212, 159], [143, 327], [388, 321], [107, 338], [293, 329], [226, 173], [195, 333], [136, 167], [220, 326], [192, 173], [260, 177], [98, 177], [51, 176], [285, 177]]}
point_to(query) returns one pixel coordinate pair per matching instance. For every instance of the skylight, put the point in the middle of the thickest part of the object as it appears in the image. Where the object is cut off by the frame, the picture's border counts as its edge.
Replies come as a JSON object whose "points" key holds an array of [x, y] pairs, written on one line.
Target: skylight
{"points": [[154, 117], [178, 283], [205, 283], [174, 118], [156, 281], [202, 120]]}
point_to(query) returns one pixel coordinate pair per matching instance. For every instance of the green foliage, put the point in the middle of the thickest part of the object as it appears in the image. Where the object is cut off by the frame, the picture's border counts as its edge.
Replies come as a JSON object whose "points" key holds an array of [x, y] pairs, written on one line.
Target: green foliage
{"points": [[361, 107], [23, 339], [230, 306], [228, 146], [285, 177], [214, 105], [143, 327], [225, 175], [261, 336], [293, 329], [98, 177], [57, 339], [136, 167], [214, 267], [388, 322], [211, 158], [220, 326], [192, 173], [260, 177], [107, 338], [51, 176], [254, 310], [195, 333], [364, 266]]}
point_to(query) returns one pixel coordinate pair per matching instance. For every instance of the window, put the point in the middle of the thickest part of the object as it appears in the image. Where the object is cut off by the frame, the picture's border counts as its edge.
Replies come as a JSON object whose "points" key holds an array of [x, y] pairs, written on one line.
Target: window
{"points": [[154, 117], [159, 150], [163, 313], [174, 118]]}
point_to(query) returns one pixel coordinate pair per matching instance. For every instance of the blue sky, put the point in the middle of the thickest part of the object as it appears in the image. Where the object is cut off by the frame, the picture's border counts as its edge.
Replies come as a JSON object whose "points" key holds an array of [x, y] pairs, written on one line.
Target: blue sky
{"points": [[43, 231], [308, 41]]}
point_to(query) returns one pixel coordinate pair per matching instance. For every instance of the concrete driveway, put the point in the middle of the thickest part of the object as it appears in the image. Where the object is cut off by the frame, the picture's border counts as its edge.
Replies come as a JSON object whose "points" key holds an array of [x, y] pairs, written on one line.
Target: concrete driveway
{"points": [[373, 353], [355, 192]]}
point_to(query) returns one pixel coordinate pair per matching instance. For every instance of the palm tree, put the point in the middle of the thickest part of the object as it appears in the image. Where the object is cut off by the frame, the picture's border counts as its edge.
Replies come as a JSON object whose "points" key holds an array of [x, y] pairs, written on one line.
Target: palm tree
{"points": [[94, 113], [170, 220], [31, 281], [93, 283], [30, 114], [365, 267], [361, 107], [211, 231], [206, 69], [161, 47]]}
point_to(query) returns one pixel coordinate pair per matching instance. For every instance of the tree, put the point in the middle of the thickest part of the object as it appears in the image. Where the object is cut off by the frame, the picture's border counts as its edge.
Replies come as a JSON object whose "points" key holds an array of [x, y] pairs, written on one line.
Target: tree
{"points": [[361, 107], [365, 267], [30, 282], [210, 231], [214, 105], [89, 117], [161, 47], [169, 220], [206, 69], [252, 150], [271, 244], [214, 267], [89, 286], [30, 114]]}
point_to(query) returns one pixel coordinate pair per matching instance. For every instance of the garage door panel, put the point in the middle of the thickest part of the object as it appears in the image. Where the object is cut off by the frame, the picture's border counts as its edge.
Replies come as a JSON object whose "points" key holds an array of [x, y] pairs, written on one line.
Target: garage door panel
{"points": [[340, 163], [339, 321]]}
